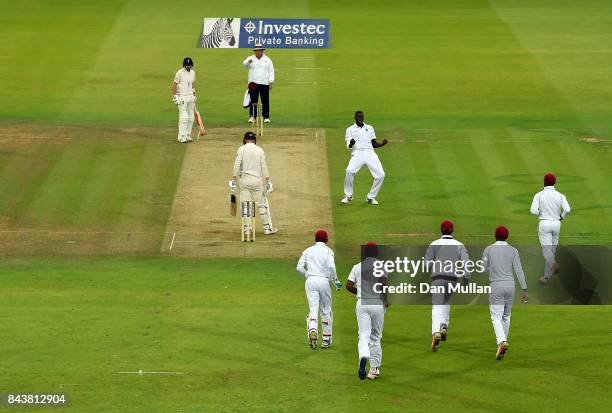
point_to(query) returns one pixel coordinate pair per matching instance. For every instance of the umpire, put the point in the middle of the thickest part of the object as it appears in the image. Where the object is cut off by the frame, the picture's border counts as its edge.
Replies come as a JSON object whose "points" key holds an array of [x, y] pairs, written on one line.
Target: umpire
{"points": [[261, 77]]}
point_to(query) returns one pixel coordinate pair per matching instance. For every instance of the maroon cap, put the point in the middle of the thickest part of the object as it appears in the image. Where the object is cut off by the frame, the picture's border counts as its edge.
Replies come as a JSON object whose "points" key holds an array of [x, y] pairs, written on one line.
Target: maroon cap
{"points": [[321, 236], [549, 179], [501, 233], [371, 249], [446, 227]]}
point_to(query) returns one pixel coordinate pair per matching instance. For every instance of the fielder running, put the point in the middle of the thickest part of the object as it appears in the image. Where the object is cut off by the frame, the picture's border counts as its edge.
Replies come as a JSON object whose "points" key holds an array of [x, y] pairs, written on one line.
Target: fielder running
{"points": [[361, 140], [551, 207], [184, 97], [502, 262], [438, 255], [370, 311], [318, 266], [249, 169]]}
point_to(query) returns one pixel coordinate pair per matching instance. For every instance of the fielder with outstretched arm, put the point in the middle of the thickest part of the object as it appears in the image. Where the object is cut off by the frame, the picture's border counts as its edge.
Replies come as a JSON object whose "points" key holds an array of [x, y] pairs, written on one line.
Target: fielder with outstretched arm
{"points": [[318, 267], [250, 168], [370, 311], [551, 207], [438, 255], [184, 97], [502, 261], [361, 140]]}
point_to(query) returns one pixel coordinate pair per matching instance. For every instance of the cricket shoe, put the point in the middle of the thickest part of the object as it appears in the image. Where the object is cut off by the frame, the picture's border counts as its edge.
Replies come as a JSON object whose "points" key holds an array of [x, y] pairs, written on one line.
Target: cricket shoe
{"points": [[435, 341], [312, 338], [326, 341], [373, 373], [362, 368], [347, 199], [267, 120], [501, 350], [270, 231], [372, 201], [443, 331], [251, 119]]}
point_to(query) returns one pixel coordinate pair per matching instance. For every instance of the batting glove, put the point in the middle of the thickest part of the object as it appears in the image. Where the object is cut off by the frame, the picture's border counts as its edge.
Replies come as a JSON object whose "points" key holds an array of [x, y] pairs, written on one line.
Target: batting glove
{"points": [[176, 100], [338, 284], [232, 185], [269, 187]]}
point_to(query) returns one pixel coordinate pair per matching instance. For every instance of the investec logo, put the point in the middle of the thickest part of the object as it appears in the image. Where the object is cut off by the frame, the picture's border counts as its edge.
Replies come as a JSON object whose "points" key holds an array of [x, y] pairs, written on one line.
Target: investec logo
{"points": [[300, 28], [285, 33]]}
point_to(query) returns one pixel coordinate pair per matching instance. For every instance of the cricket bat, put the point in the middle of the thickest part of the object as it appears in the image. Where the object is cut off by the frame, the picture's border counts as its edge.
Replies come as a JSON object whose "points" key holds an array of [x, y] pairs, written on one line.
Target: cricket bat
{"points": [[233, 205], [198, 120]]}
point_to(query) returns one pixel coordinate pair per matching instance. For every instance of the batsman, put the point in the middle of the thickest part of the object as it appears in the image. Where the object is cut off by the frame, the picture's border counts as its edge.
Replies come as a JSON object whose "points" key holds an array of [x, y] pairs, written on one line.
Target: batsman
{"points": [[250, 172]]}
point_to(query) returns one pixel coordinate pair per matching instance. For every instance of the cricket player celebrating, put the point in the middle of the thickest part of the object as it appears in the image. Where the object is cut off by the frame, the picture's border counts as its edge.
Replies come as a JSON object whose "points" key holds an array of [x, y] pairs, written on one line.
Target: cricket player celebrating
{"points": [[439, 253], [361, 140], [551, 207], [318, 266], [370, 311], [250, 167], [502, 261], [183, 96]]}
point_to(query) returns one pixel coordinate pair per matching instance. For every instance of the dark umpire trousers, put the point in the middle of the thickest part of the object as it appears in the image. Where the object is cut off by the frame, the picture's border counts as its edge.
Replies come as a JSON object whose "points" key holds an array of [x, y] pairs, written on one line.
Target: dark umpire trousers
{"points": [[255, 90]]}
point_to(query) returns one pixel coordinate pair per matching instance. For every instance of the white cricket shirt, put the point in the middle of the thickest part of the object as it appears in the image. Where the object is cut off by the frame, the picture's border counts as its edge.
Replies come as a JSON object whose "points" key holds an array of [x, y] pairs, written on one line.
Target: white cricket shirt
{"points": [[184, 82], [261, 71], [250, 160], [550, 205], [502, 261], [356, 277], [318, 261], [363, 136], [444, 250]]}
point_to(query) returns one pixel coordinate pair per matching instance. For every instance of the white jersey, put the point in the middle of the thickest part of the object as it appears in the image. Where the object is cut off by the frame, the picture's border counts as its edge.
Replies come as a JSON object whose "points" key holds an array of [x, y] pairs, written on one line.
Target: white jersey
{"points": [[355, 276], [318, 261], [363, 136], [550, 205], [184, 82], [250, 160], [261, 71], [444, 250]]}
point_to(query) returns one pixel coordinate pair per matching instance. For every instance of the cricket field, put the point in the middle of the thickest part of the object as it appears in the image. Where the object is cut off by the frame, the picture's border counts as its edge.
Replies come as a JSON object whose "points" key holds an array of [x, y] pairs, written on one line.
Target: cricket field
{"points": [[118, 255]]}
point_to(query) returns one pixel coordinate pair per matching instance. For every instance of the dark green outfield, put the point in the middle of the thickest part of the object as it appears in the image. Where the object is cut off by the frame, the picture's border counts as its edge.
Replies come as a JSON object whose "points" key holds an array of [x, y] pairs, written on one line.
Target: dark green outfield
{"points": [[478, 98]]}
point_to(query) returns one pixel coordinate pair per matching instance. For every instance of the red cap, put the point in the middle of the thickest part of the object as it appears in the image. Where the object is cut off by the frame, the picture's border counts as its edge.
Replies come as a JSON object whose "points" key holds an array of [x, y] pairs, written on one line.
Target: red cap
{"points": [[549, 179], [501, 233], [371, 249], [446, 227], [321, 236]]}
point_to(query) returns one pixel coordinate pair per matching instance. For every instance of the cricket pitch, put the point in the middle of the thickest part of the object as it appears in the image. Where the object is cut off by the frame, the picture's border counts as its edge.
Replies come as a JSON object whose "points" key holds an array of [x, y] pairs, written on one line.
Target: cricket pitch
{"points": [[200, 224]]}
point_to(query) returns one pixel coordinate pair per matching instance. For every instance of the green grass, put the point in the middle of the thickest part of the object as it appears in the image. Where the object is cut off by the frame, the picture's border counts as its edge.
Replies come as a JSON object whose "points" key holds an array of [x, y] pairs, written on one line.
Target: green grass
{"points": [[479, 100], [242, 345]]}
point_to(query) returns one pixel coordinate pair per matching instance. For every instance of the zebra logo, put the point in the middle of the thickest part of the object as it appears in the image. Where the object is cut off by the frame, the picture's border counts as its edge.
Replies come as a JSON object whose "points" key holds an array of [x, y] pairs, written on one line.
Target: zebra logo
{"points": [[221, 32]]}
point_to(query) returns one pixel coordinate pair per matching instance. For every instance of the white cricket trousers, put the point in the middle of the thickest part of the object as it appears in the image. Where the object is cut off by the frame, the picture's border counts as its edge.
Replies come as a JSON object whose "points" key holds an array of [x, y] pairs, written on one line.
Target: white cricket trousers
{"points": [[186, 116], [370, 320], [500, 306], [251, 189], [548, 232], [361, 157], [440, 309], [319, 295]]}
